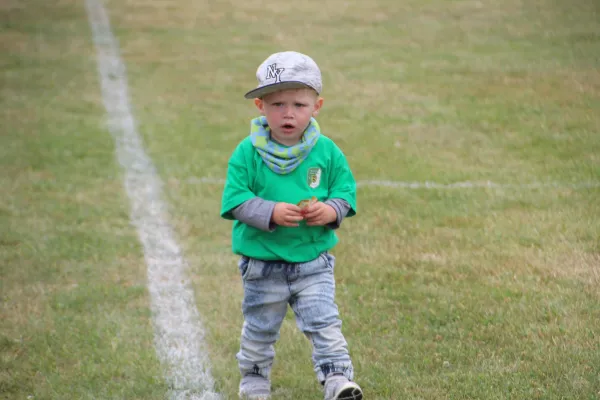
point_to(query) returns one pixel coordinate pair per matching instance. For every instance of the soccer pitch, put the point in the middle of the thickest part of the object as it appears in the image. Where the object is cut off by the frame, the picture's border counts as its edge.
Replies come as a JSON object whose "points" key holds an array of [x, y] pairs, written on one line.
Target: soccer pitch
{"points": [[472, 270]]}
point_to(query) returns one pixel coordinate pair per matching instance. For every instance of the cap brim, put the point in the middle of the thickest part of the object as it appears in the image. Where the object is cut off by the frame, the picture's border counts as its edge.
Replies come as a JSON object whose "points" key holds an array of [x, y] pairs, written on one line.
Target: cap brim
{"points": [[275, 87]]}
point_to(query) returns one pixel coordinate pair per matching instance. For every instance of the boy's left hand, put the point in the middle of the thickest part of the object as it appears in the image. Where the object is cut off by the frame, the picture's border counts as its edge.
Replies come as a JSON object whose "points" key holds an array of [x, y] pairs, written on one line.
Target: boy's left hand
{"points": [[319, 214]]}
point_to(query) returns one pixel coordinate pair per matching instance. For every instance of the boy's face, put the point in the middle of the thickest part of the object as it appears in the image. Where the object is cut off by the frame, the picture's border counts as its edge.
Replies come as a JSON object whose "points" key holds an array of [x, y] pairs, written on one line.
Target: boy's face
{"points": [[288, 113]]}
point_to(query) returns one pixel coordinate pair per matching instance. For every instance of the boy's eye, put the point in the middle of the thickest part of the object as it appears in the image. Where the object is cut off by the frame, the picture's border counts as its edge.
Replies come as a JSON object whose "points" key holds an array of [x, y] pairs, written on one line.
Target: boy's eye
{"points": [[281, 104]]}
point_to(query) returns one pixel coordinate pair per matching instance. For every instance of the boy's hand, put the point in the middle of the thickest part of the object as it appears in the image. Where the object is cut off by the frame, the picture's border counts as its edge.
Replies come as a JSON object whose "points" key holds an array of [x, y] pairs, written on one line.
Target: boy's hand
{"points": [[319, 214], [286, 214]]}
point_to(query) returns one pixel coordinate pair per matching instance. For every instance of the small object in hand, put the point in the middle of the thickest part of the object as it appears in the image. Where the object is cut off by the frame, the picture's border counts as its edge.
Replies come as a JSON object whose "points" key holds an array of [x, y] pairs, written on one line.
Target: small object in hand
{"points": [[304, 204]]}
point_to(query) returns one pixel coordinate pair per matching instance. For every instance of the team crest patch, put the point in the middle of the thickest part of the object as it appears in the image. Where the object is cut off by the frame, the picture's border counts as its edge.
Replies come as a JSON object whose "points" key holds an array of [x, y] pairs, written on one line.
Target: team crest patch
{"points": [[314, 177]]}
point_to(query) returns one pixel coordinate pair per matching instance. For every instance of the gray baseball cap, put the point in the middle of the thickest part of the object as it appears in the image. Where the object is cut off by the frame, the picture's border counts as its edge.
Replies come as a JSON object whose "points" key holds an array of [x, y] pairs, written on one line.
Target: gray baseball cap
{"points": [[286, 70]]}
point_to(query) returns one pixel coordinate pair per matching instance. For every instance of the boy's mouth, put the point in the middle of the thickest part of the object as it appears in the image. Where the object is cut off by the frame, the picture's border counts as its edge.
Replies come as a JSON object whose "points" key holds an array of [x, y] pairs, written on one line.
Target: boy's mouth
{"points": [[287, 127]]}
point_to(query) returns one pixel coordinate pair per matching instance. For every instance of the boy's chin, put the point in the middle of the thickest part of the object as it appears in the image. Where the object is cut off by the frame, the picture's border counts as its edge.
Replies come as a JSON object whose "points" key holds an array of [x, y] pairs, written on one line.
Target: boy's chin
{"points": [[288, 131], [293, 136]]}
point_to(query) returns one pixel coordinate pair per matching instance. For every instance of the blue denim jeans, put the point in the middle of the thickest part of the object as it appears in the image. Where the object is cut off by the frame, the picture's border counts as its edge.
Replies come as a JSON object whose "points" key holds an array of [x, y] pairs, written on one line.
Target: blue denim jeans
{"points": [[309, 288]]}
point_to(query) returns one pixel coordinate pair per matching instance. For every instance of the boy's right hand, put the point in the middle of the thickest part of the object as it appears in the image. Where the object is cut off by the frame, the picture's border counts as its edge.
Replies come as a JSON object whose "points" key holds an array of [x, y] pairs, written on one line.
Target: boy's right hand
{"points": [[286, 214]]}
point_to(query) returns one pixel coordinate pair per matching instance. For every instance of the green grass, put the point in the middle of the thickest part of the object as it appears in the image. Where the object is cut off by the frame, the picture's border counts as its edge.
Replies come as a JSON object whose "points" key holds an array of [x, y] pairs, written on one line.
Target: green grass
{"points": [[445, 294], [75, 319]]}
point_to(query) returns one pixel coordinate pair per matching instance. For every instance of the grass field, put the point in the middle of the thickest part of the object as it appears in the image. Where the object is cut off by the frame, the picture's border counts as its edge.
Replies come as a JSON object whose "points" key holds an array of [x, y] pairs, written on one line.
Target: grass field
{"points": [[445, 293]]}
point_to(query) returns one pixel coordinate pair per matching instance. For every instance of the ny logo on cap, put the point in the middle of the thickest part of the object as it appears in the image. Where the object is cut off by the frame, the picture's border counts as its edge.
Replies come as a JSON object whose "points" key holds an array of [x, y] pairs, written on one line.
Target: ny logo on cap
{"points": [[274, 73]]}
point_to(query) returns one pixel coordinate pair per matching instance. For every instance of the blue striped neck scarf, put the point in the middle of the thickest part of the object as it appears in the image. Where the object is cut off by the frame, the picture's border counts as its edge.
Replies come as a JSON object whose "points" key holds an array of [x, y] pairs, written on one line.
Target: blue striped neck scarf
{"points": [[282, 159]]}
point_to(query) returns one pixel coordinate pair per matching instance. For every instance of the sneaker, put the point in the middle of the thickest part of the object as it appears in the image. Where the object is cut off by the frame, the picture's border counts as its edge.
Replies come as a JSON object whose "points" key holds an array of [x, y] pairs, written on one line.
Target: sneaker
{"points": [[338, 387], [255, 387]]}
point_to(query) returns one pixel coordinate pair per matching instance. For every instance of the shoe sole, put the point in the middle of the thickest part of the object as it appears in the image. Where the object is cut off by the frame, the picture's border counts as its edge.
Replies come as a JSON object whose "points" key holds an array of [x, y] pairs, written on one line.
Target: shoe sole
{"points": [[352, 392], [254, 397]]}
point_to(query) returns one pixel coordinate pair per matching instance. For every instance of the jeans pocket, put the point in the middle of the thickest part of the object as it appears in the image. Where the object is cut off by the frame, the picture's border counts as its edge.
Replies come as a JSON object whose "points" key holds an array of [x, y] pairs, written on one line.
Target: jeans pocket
{"points": [[244, 266], [329, 260]]}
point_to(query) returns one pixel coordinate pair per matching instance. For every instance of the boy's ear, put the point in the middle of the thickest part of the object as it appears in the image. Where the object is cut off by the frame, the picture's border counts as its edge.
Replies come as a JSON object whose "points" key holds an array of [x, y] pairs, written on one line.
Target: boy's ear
{"points": [[260, 105], [318, 105]]}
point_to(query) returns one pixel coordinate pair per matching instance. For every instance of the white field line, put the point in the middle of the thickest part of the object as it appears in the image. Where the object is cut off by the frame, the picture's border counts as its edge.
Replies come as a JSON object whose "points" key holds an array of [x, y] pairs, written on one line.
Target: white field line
{"points": [[178, 333], [444, 186]]}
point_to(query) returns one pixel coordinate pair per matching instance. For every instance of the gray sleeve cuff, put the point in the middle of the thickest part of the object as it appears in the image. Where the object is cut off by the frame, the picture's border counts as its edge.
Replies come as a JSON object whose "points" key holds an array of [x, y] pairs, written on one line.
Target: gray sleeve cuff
{"points": [[341, 208], [257, 213]]}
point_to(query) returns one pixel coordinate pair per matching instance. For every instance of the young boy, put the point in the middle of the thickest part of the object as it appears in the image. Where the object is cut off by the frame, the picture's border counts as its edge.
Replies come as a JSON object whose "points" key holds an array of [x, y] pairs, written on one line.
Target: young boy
{"points": [[288, 188]]}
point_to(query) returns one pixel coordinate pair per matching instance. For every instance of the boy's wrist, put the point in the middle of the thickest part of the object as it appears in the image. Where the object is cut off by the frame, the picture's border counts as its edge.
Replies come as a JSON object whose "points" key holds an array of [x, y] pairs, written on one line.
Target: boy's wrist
{"points": [[341, 208], [332, 213]]}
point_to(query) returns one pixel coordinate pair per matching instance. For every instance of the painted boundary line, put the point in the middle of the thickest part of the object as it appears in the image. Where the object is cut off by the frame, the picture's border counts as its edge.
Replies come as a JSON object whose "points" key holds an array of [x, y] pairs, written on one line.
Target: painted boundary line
{"points": [[444, 186], [178, 333]]}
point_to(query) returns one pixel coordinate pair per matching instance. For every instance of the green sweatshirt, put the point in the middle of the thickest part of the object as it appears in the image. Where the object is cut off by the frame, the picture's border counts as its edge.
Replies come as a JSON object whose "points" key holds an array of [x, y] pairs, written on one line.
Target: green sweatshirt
{"points": [[324, 174]]}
